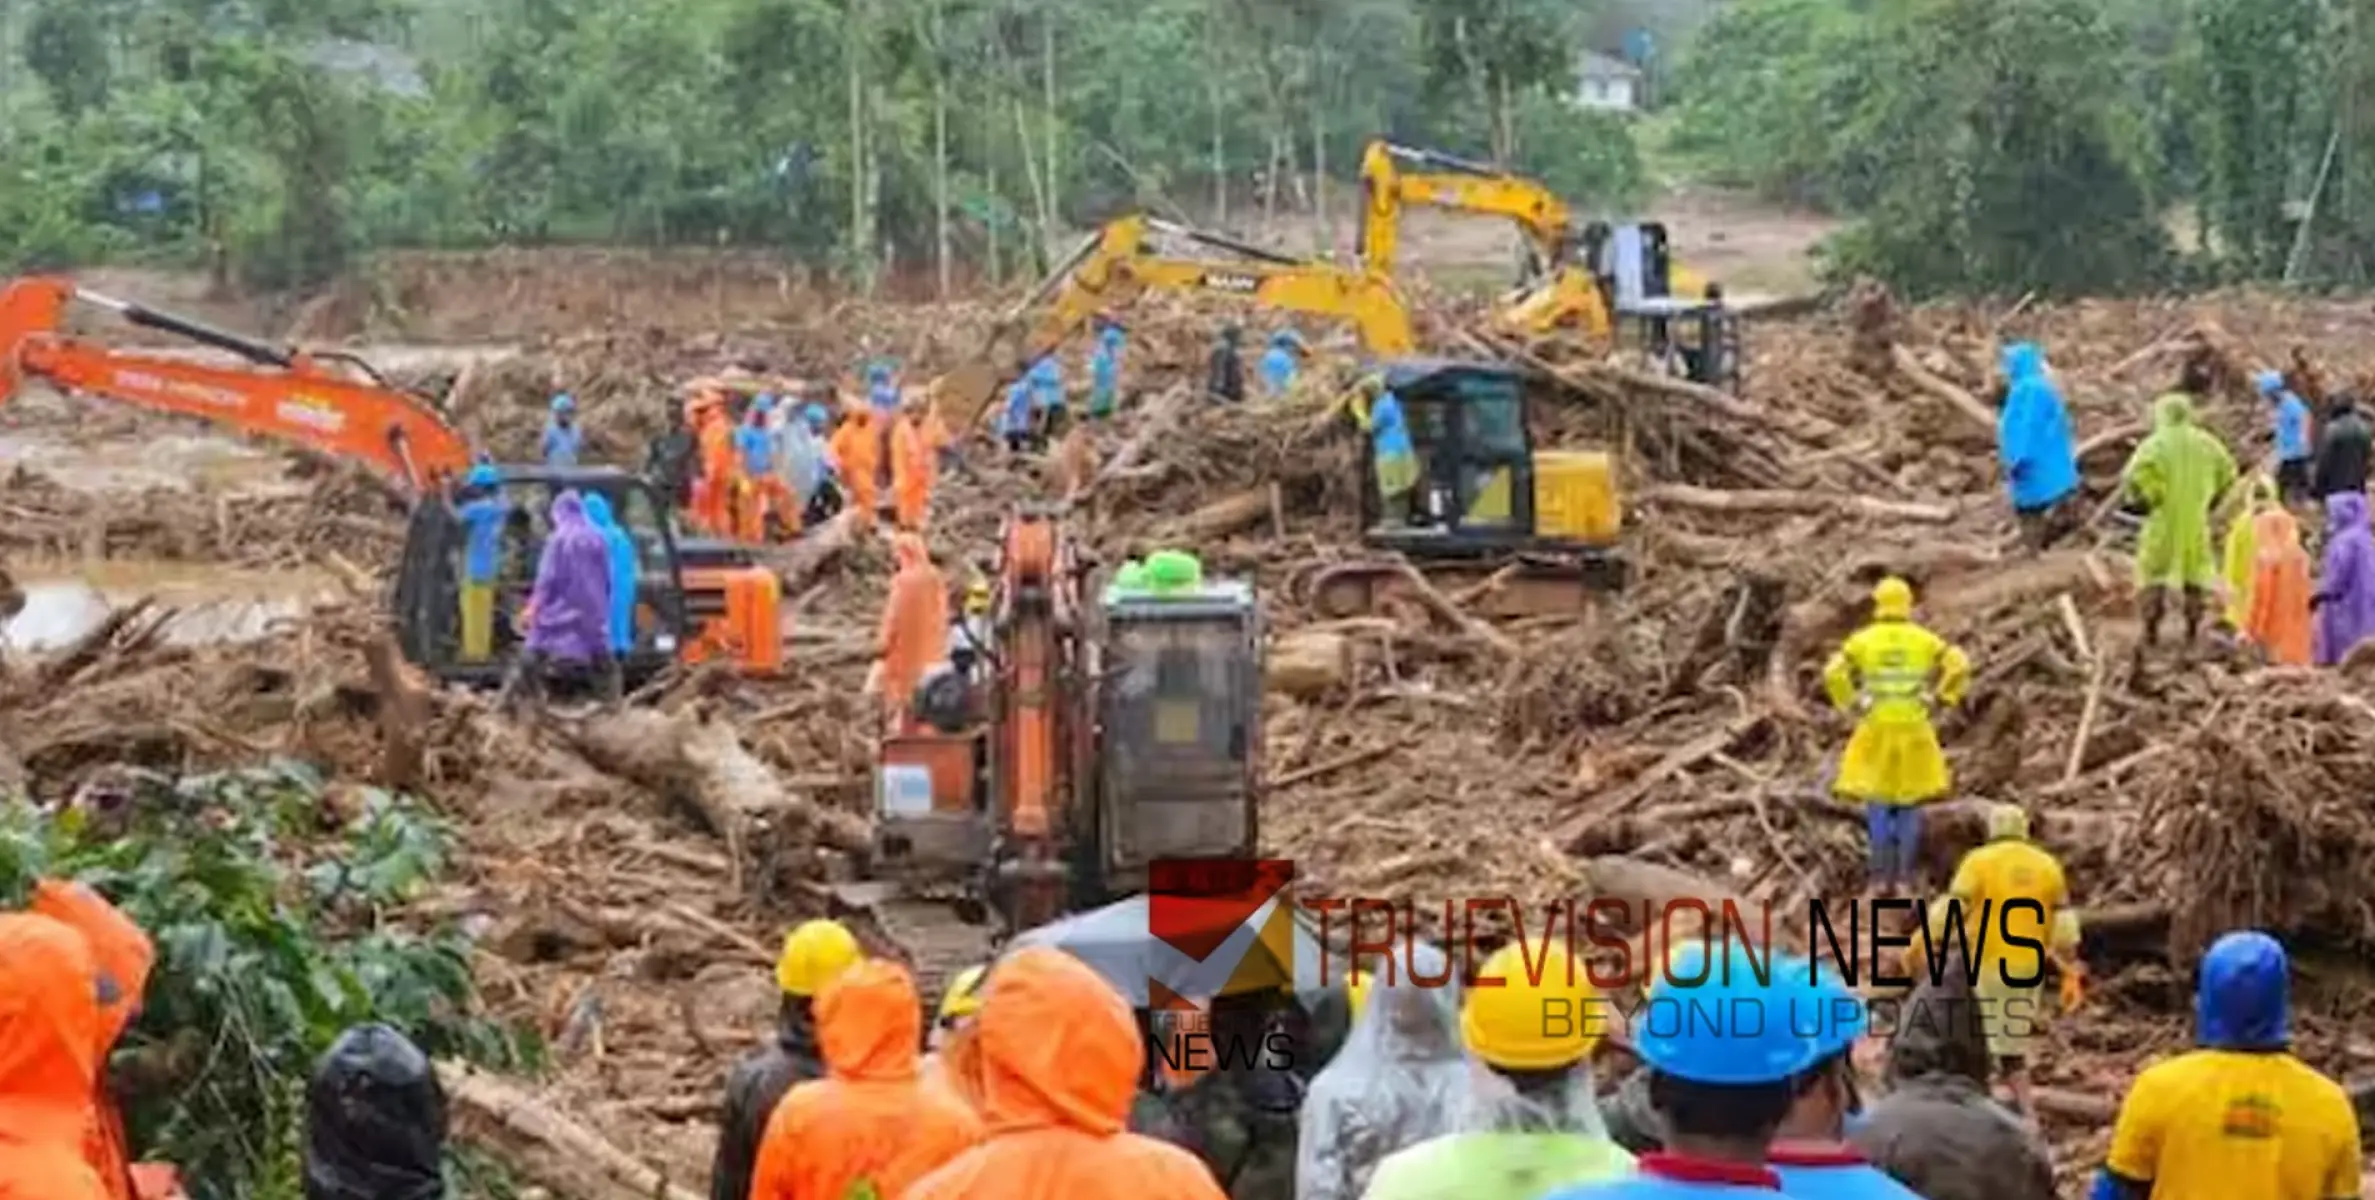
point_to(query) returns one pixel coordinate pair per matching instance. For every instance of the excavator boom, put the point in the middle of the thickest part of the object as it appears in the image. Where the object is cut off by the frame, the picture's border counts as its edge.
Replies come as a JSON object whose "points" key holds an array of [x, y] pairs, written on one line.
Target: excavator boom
{"points": [[1115, 265], [285, 395], [1439, 180]]}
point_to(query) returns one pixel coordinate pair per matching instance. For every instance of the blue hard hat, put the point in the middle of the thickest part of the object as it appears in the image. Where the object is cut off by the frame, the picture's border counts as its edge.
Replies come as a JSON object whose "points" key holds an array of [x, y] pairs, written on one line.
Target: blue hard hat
{"points": [[1730, 1029], [2268, 382], [564, 402], [1824, 1010], [764, 402], [483, 475], [816, 416], [2242, 1001]]}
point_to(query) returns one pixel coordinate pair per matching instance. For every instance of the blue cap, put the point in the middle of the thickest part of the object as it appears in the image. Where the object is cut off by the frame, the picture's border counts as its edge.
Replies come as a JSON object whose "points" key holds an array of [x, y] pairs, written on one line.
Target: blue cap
{"points": [[2243, 999], [483, 475], [564, 402], [2268, 382], [1731, 1029]]}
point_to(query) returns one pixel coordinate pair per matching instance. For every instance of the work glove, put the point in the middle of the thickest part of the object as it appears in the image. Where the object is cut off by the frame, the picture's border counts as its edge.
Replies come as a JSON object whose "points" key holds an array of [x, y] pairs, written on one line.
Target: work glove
{"points": [[2073, 986]]}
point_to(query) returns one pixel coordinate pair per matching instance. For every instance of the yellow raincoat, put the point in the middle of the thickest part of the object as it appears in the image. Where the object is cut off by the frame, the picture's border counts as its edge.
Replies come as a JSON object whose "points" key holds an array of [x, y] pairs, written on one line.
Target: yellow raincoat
{"points": [[2241, 552], [1886, 669], [2180, 470]]}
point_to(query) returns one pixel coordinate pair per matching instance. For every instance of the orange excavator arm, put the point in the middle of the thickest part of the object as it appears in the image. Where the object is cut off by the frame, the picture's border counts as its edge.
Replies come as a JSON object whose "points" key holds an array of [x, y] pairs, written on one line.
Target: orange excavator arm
{"points": [[286, 395]]}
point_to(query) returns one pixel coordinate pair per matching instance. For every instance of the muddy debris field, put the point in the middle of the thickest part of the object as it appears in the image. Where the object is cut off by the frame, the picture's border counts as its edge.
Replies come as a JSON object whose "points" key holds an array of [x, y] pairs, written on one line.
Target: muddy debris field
{"points": [[1672, 742]]}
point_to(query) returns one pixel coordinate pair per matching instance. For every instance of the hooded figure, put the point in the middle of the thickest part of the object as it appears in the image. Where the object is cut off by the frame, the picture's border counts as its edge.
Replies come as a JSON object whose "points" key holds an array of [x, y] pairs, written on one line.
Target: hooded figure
{"points": [[51, 1039], [1888, 673], [914, 632], [1061, 1059], [882, 389], [1278, 363], [1014, 418], [800, 460], [624, 568], [2179, 472], [571, 621], [714, 488], [857, 455], [1394, 457], [871, 1127], [1937, 1130], [2279, 620], [1399, 1080], [2241, 551], [122, 957], [2240, 1116], [814, 955], [913, 464], [2014, 889], [2033, 436], [564, 438], [1047, 392], [2345, 598], [374, 1121], [1105, 371]]}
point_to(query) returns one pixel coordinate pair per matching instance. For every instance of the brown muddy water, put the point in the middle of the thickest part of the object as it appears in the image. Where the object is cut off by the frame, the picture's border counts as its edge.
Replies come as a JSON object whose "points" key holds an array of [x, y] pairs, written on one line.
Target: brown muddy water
{"points": [[210, 604]]}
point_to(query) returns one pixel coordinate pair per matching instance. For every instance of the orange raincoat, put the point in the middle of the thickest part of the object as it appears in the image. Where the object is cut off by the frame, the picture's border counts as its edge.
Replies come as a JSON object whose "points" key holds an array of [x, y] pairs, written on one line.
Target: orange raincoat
{"points": [[721, 473], [122, 956], [1061, 1058], [857, 451], [914, 623], [912, 467], [2278, 617], [50, 1036], [873, 1127]]}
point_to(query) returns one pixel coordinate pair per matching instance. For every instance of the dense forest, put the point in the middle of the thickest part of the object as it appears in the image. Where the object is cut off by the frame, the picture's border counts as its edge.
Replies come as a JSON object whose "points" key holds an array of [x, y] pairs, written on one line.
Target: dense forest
{"points": [[1981, 145]]}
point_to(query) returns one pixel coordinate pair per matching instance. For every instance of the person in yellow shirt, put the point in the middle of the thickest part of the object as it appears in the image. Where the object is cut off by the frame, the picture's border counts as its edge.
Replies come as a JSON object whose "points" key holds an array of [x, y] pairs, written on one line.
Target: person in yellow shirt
{"points": [[2001, 935], [1887, 673], [2240, 1116]]}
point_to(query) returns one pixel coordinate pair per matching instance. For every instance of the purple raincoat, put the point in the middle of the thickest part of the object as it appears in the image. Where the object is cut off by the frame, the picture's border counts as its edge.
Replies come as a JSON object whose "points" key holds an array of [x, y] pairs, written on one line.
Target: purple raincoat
{"points": [[2348, 584], [572, 597]]}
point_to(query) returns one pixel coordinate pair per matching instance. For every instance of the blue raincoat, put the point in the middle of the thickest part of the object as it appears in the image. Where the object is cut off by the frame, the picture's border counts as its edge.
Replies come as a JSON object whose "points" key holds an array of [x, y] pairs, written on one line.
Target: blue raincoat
{"points": [[1105, 371], [2292, 420], [1047, 384], [1397, 458], [2033, 432], [1016, 419], [562, 443], [572, 596], [882, 389], [757, 448], [623, 571], [482, 530], [1278, 363]]}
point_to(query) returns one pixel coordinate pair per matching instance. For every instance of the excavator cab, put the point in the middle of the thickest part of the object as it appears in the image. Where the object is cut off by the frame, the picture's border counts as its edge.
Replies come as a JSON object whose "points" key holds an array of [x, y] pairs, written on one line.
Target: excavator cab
{"points": [[428, 590], [1694, 337], [1179, 718]]}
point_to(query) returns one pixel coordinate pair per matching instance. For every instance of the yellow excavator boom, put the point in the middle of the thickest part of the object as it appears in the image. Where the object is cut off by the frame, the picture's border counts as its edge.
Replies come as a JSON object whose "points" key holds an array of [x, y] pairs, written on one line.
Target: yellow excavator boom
{"points": [[1115, 265]]}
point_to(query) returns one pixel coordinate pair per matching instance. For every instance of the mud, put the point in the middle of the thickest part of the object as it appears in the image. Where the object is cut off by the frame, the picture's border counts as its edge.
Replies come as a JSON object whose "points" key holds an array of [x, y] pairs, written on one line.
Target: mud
{"points": [[212, 606]]}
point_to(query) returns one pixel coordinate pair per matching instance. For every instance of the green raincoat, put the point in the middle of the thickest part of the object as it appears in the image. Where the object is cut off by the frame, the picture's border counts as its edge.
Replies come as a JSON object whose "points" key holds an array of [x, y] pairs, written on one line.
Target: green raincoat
{"points": [[1496, 1166], [2180, 471]]}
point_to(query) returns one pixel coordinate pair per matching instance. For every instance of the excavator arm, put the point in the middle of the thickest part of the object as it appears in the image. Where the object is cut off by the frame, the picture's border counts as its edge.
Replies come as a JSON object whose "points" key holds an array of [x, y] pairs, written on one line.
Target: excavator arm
{"points": [[1439, 180], [1115, 265], [286, 395]]}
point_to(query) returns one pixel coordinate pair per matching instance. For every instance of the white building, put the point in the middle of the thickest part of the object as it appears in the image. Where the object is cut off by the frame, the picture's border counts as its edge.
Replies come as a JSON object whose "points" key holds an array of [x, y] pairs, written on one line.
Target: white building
{"points": [[1606, 83]]}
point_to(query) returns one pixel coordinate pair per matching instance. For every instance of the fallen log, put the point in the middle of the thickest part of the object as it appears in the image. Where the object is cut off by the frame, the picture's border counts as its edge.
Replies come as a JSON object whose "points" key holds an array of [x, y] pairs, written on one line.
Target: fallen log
{"points": [[1954, 397], [573, 1147], [1227, 515], [1306, 665], [1682, 495], [804, 560]]}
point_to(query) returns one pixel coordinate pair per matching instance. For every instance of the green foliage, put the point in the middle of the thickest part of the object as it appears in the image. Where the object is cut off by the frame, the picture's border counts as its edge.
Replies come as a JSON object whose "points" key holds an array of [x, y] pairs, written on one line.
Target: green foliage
{"points": [[267, 947]]}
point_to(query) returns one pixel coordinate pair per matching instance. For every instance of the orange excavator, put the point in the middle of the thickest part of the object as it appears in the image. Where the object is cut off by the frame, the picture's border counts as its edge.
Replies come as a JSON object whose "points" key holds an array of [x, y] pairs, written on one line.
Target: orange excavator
{"points": [[696, 599], [1098, 734]]}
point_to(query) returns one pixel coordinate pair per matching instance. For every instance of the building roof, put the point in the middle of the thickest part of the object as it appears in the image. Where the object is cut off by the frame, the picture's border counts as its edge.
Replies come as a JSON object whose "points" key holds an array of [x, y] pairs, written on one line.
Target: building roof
{"points": [[1596, 65]]}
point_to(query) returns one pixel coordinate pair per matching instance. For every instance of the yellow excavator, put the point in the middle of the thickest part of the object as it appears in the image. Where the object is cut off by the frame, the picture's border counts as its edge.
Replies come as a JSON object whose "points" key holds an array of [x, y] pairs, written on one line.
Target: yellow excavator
{"points": [[1541, 526], [1581, 280]]}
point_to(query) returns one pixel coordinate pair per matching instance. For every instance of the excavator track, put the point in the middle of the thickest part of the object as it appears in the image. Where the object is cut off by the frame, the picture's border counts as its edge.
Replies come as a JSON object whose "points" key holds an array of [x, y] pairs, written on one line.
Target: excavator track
{"points": [[1501, 587]]}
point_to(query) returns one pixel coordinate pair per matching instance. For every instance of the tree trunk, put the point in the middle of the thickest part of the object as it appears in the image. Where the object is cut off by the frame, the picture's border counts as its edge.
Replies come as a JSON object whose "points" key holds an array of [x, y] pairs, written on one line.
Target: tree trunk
{"points": [[1033, 174], [1270, 183], [1050, 236], [861, 236], [940, 240], [1220, 157], [989, 176], [1319, 152]]}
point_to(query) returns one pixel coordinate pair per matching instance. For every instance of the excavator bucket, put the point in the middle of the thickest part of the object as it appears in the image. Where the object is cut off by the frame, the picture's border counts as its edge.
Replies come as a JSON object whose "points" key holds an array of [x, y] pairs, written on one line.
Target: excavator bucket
{"points": [[28, 308]]}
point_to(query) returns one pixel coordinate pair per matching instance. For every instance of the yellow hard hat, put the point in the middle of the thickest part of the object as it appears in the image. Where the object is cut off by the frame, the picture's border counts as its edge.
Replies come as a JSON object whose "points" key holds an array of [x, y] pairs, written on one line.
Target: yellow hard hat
{"points": [[977, 594], [1534, 1020], [1892, 599], [814, 955], [1356, 989], [2006, 821], [963, 997]]}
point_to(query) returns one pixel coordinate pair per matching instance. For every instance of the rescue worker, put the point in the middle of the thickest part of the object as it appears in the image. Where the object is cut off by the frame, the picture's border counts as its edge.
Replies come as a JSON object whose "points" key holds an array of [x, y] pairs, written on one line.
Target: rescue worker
{"points": [[2279, 620], [1888, 672], [762, 491], [2239, 556], [969, 640], [713, 493], [482, 512], [1105, 371], [2033, 444], [1047, 397], [1529, 1122], [1399, 1080], [814, 955], [913, 635], [1061, 1058], [564, 438], [569, 609], [857, 455], [939, 439], [2006, 869], [2294, 451], [912, 467], [1937, 1130], [1395, 458], [1279, 362], [2345, 598], [1809, 1150], [625, 568], [954, 1064], [2178, 473], [2343, 448], [122, 957], [882, 390], [1226, 378], [51, 1025], [871, 1127], [1632, 1120], [1723, 1058], [1014, 418], [799, 463], [670, 461], [2240, 1116], [1236, 1113], [374, 1120]]}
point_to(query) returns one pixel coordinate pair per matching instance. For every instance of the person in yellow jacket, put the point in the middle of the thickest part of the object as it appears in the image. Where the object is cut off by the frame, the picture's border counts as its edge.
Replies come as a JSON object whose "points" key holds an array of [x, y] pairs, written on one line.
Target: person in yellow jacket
{"points": [[2013, 898], [1888, 672], [2240, 554], [955, 1061]]}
